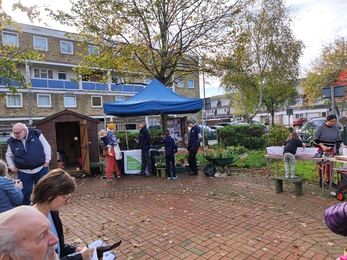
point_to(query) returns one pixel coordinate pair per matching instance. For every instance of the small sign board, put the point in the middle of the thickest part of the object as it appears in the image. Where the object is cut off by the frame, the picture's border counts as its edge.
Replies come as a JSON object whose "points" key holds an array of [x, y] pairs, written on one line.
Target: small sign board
{"points": [[207, 103], [289, 111], [339, 91]]}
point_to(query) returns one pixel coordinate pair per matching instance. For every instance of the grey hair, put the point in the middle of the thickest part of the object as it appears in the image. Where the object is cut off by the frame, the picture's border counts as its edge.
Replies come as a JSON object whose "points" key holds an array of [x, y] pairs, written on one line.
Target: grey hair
{"points": [[3, 168], [8, 241], [9, 234], [143, 122]]}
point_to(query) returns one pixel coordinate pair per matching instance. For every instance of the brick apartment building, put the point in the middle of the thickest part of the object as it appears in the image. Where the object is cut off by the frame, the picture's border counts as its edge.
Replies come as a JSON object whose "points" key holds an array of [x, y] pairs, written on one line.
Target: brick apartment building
{"points": [[55, 86]]}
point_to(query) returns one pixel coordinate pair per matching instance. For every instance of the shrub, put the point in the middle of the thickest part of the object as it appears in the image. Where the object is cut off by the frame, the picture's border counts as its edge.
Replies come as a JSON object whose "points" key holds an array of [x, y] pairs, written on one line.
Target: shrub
{"points": [[278, 134], [249, 136]]}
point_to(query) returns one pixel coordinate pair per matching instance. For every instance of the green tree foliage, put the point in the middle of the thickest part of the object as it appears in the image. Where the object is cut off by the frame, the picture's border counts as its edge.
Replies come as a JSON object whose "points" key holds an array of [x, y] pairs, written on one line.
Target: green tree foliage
{"points": [[164, 39], [262, 69], [278, 135], [12, 57], [325, 71]]}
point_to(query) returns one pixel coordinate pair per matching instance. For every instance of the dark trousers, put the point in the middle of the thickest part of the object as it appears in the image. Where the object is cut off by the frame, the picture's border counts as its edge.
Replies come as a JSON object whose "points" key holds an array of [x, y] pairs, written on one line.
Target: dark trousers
{"points": [[192, 160], [170, 160], [28, 181], [146, 163]]}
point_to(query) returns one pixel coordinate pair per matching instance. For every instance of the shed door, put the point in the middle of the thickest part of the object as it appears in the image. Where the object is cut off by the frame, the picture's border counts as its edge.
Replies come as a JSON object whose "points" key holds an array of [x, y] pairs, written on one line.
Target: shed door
{"points": [[84, 146]]}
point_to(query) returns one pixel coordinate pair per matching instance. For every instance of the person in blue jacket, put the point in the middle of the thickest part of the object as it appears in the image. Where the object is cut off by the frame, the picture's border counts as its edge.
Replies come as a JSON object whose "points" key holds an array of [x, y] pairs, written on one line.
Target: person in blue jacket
{"points": [[28, 154], [170, 150], [11, 194]]}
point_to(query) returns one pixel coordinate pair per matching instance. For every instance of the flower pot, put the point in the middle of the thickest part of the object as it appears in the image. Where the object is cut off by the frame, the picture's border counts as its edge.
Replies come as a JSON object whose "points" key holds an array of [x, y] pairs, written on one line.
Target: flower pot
{"points": [[61, 165]]}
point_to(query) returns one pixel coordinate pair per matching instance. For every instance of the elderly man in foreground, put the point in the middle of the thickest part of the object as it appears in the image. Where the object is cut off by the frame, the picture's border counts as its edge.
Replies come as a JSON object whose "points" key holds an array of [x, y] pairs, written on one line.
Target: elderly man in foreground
{"points": [[25, 234]]}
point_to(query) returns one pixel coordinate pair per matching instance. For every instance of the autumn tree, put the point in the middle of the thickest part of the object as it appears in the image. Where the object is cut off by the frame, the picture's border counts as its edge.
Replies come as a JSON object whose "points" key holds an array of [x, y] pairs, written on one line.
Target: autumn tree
{"points": [[163, 39], [325, 71], [12, 57], [261, 71]]}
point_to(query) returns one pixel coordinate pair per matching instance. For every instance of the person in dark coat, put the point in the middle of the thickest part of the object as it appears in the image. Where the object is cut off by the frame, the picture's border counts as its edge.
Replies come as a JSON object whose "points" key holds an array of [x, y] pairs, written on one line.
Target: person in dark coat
{"points": [[193, 144], [50, 193], [170, 150], [145, 144], [28, 154]]}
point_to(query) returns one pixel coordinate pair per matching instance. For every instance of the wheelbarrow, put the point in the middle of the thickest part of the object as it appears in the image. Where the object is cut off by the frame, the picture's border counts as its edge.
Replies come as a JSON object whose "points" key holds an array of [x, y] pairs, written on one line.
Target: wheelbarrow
{"points": [[222, 164]]}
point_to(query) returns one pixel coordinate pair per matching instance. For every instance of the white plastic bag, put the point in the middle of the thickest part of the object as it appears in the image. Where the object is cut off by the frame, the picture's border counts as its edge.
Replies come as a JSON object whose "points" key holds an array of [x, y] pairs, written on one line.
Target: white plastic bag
{"points": [[117, 153]]}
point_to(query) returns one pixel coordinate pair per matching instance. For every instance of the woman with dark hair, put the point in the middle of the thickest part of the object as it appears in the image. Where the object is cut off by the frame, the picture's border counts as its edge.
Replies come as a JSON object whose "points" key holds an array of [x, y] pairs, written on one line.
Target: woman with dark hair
{"points": [[11, 194], [325, 138], [50, 193]]}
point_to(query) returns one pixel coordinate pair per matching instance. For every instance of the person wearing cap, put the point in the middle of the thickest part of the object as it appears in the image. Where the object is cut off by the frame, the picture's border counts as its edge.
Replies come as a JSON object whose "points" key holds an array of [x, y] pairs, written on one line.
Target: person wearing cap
{"points": [[193, 142], [145, 144], [111, 160]]}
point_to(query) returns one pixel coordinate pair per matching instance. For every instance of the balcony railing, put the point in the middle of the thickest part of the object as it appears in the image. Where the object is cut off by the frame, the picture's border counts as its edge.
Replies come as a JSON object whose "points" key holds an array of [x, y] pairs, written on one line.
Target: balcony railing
{"points": [[73, 85]]}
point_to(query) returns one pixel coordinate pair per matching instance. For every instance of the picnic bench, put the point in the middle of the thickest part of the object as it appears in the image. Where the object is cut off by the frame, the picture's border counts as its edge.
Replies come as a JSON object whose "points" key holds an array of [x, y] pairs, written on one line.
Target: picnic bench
{"points": [[297, 182]]}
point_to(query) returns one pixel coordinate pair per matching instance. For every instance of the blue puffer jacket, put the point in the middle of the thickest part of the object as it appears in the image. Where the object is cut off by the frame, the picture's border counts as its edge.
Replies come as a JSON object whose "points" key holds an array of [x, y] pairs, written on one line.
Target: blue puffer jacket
{"points": [[336, 218]]}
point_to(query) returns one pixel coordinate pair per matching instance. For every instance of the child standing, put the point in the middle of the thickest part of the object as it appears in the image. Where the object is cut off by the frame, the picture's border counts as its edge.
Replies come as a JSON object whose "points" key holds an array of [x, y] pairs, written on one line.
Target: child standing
{"points": [[290, 146], [170, 150]]}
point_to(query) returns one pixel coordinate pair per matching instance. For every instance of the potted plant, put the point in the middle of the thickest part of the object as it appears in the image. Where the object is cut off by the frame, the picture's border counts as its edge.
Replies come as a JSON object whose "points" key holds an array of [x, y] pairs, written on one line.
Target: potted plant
{"points": [[160, 161]]}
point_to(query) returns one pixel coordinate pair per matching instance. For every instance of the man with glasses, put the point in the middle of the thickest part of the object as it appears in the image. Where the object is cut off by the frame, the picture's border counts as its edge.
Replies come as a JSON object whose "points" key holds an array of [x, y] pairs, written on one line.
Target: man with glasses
{"points": [[28, 154]]}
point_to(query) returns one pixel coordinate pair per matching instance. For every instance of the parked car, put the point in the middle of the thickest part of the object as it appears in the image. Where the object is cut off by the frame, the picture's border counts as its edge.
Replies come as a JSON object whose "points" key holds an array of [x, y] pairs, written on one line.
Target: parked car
{"points": [[300, 121], [206, 129], [154, 127], [308, 128], [215, 127]]}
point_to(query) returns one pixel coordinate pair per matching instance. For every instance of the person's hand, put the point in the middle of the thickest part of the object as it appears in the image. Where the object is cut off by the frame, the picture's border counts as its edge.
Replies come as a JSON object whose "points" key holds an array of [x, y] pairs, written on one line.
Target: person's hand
{"points": [[325, 148], [78, 249], [87, 253], [19, 185], [45, 164], [118, 140], [14, 169]]}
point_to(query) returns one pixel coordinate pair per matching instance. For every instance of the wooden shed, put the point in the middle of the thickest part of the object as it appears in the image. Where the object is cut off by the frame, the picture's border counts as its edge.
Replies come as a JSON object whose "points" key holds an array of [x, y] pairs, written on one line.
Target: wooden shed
{"points": [[73, 138]]}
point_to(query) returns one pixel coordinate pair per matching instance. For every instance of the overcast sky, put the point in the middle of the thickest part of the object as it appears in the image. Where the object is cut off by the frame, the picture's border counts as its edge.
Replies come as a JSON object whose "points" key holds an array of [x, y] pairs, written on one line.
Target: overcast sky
{"points": [[316, 22]]}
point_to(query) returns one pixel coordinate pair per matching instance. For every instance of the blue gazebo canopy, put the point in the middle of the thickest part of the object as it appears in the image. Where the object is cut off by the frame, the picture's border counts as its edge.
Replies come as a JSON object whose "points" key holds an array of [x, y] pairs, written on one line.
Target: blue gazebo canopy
{"points": [[155, 99]]}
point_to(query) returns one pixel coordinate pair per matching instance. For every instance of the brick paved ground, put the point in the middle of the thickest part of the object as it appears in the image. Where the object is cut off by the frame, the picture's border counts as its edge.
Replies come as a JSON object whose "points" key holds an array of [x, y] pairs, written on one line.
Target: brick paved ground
{"points": [[196, 217]]}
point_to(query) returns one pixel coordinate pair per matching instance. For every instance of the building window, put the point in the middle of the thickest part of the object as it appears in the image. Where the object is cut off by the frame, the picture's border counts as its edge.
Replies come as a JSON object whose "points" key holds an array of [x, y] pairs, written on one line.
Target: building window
{"points": [[93, 50], [44, 74], [61, 74], [96, 101], [70, 101], [210, 112], [44, 100], [190, 83], [40, 43], [14, 100], [130, 126], [66, 47], [180, 83], [119, 99], [214, 103], [10, 38]]}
